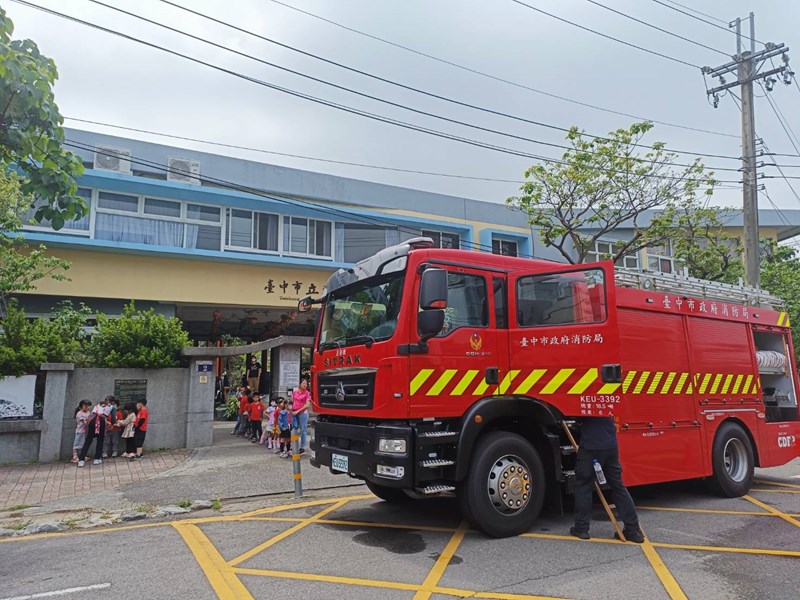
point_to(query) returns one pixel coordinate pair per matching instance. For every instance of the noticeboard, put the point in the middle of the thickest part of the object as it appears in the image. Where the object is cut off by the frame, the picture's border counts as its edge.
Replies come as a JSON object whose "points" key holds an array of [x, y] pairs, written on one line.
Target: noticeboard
{"points": [[130, 390]]}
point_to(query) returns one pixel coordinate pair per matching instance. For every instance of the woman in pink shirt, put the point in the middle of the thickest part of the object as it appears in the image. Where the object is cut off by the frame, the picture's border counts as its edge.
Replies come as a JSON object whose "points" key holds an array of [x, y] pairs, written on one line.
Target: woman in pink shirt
{"points": [[301, 403]]}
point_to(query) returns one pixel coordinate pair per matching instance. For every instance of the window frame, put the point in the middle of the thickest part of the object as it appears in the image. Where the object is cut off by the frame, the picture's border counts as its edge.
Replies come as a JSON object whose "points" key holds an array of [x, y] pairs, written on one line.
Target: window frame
{"points": [[226, 231], [67, 229], [286, 237], [605, 304], [500, 241], [437, 237], [486, 317], [596, 255]]}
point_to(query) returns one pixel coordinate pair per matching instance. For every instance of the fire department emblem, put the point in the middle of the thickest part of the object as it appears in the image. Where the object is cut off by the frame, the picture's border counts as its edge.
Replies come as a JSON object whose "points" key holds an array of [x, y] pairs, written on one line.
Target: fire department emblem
{"points": [[340, 394], [475, 341]]}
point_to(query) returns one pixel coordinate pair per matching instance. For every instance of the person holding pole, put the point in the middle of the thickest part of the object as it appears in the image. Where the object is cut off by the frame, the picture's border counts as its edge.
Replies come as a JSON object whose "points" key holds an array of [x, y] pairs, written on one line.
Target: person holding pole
{"points": [[598, 455], [301, 403]]}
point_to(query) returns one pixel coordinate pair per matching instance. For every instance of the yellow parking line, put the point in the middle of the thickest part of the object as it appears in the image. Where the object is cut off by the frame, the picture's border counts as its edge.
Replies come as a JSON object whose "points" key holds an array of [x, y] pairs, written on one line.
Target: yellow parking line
{"points": [[569, 538], [226, 584], [778, 483], [283, 535], [773, 510], [279, 508], [662, 572], [726, 549], [709, 511], [357, 524], [775, 491], [40, 536], [432, 580]]}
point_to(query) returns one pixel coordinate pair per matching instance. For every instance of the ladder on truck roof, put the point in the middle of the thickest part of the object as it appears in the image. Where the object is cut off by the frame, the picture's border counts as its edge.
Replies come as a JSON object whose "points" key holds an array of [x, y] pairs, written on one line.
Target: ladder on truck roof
{"points": [[697, 288]]}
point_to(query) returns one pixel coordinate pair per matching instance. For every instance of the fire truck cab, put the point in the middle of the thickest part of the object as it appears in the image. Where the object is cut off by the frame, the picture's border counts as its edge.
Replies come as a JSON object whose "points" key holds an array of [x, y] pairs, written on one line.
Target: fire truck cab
{"points": [[451, 371]]}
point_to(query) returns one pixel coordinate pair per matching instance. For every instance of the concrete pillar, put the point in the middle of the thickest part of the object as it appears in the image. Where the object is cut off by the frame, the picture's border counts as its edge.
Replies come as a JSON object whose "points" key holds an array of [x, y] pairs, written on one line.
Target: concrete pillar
{"points": [[200, 403], [285, 369], [55, 394]]}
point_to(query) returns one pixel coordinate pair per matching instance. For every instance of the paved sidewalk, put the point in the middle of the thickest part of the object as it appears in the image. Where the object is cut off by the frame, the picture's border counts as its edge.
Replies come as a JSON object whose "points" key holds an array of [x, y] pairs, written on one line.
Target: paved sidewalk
{"points": [[33, 485]]}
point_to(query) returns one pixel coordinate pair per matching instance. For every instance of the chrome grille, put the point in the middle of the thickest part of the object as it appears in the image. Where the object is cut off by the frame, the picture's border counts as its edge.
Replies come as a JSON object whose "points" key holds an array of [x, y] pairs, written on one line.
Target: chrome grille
{"points": [[347, 391]]}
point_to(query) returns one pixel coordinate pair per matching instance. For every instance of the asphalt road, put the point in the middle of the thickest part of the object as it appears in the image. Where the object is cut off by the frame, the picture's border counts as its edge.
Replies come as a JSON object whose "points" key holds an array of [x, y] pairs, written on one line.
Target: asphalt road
{"points": [[348, 544]]}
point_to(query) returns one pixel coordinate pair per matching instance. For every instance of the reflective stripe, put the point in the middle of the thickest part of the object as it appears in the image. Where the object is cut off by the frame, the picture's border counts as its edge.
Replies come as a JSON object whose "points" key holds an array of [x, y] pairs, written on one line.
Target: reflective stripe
{"points": [[440, 384], [464, 383], [584, 382], [668, 382], [420, 379], [736, 384], [704, 385], [609, 388], [727, 384], [481, 389], [641, 382], [506, 383], [681, 382], [627, 382], [715, 385], [556, 381], [654, 383], [530, 381], [746, 386]]}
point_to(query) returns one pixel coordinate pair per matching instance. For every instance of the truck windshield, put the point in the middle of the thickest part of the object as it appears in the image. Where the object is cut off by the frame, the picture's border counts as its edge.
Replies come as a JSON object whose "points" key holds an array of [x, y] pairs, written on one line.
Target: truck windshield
{"points": [[363, 312]]}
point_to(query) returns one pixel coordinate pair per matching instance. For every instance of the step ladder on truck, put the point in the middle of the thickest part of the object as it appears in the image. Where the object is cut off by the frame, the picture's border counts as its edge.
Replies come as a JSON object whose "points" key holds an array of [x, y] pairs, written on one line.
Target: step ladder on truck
{"points": [[439, 371]]}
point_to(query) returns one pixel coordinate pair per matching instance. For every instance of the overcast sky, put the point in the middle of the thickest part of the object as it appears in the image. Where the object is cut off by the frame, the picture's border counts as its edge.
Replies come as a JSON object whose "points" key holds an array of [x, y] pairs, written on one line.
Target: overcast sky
{"points": [[109, 79]]}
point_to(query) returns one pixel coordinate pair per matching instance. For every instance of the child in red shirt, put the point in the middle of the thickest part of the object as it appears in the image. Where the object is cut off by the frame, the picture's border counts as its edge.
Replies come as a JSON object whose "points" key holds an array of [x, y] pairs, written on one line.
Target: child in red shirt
{"points": [[256, 410], [140, 427]]}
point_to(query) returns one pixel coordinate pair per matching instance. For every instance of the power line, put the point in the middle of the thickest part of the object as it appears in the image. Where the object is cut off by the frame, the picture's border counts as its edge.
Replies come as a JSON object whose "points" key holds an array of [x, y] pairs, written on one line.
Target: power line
{"points": [[329, 103], [289, 155], [608, 37], [496, 78], [657, 28], [683, 12], [723, 21], [389, 102], [783, 122]]}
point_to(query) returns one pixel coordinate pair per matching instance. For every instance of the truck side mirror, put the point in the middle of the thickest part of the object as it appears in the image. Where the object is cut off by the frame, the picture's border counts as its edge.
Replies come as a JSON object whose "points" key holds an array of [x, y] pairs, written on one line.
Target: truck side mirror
{"points": [[429, 323], [433, 289]]}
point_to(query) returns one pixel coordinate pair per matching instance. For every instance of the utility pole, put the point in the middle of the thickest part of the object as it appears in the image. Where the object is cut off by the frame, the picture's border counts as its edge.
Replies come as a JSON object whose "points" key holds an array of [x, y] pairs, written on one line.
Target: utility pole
{"points": [[748, 64]]}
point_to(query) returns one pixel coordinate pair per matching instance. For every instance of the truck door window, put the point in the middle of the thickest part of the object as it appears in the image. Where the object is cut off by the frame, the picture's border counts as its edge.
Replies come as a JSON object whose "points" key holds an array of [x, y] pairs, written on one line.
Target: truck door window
{"points": [[561, 298], [500, 304], [467, 301]]}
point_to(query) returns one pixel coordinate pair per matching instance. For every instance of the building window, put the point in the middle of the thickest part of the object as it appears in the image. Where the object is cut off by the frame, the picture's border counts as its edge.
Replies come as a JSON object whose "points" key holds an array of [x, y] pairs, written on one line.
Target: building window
{"points": [[504, 247], [660, 259], [443, 240], [79, 225], [607, 250], [355, 242], [251, 230], [120, 202], [307, 236]]}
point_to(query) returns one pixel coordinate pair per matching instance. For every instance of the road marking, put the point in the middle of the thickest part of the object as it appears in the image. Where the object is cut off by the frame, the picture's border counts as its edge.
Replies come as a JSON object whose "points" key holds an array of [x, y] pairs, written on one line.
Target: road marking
{"points": [[274, 540], [39, 536], [435, 574], [775, 491], [569, 538], [664, 574], [358, 524], [279, 508], [710, 511], [761, 551], [773, 510], [779, 483], [87, 588], [226, 585]]}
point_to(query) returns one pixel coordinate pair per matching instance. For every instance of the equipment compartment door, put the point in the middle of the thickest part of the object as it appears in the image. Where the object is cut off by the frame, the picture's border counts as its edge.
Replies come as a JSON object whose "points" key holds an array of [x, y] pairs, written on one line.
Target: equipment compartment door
{"points": [[564, 340]]}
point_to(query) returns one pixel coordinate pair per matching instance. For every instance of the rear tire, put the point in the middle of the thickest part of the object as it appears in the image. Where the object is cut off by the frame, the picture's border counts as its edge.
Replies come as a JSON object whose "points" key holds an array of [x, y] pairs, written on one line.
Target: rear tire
{"points": [[504, 490], [733, 462], [389, 494]]}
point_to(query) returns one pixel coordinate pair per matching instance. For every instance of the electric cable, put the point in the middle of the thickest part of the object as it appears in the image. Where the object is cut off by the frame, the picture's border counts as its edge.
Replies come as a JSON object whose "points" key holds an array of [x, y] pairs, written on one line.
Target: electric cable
{"points": [[723, 21], [609, 37], [683, 12]]}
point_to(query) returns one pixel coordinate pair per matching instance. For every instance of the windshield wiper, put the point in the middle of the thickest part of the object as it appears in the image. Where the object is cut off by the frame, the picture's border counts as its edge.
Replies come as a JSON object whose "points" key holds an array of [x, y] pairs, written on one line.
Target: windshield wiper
{"points": [[357, 339], [336, 343]]}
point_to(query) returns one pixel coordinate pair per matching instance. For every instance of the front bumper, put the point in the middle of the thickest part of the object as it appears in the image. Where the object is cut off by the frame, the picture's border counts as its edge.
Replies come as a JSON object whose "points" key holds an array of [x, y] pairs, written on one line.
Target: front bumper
{"points": [[359, 443]]}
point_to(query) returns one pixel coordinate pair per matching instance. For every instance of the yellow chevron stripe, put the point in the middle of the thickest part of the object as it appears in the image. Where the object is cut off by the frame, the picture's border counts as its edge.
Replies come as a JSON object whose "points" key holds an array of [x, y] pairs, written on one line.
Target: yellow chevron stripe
{"points": [[680, 384], [609, 388], [584, 382], [746, 386], [530, 381], [756, 386], [668, 382], [737, 382], [629, 376], [781, 317], [481, 389], [419, 380], [704, 384], [642, 380], [440, 384], [506, 383], [654, 383], [464, 383], [689, 388], [727, 384], [556, 381], [714, 386]]}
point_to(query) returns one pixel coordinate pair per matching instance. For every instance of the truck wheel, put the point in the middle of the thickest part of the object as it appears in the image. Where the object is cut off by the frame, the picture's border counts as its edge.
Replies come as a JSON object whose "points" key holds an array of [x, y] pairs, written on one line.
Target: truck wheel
{"points": [[732, 460], [504, 490], [389, 494]]}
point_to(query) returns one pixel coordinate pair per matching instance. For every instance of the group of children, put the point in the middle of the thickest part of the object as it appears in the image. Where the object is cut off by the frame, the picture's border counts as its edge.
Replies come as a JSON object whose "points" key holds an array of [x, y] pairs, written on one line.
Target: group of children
{"points": [[276, 435], [105, 424]]}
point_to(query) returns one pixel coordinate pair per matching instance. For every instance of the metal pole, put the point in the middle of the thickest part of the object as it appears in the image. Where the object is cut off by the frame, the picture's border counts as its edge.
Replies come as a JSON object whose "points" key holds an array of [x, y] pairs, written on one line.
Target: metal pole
{"points": [[298, 478], [752, 246]]}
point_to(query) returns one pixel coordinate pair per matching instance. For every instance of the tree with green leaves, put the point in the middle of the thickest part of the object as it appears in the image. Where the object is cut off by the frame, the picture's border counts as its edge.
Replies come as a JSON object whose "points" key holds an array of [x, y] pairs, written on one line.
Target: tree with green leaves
{"points": [[31, 134], [21, 265], [601, 184], [780, 275]]}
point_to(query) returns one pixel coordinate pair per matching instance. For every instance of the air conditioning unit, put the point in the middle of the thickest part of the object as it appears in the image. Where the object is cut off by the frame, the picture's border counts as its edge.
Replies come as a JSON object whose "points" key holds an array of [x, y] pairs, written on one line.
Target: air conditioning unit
{"points": [[184, 170], [108, 158]]}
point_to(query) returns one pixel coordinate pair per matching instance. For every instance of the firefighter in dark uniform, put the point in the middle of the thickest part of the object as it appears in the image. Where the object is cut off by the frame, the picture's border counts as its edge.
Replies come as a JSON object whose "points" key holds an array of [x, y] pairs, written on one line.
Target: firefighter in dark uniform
{"points": [[599, 441]]}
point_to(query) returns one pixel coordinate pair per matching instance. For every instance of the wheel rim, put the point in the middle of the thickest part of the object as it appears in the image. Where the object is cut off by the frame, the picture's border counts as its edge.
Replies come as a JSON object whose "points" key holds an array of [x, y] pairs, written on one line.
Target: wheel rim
{"points": [[735, 458], [509, 485]]}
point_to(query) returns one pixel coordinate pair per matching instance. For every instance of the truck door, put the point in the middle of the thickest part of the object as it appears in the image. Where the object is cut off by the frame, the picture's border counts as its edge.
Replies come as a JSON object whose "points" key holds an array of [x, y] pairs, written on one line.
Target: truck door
{"points": [[564, 339], [449, 375]]}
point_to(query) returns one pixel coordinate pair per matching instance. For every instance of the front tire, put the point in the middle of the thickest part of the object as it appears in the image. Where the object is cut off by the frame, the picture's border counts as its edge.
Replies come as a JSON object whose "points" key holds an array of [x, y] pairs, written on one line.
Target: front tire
{"points": [[389, 494], [733, 462], [504, 490]]}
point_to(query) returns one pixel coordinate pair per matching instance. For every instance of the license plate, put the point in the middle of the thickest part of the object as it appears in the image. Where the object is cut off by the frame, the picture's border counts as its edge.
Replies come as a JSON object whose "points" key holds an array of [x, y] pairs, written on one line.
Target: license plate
{"points": [[339, 463]]}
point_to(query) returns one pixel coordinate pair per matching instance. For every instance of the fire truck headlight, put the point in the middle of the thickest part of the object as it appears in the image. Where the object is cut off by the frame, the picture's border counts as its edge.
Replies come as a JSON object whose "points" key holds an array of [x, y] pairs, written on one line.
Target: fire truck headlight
{"points": [[391, 446], [390, 472]]}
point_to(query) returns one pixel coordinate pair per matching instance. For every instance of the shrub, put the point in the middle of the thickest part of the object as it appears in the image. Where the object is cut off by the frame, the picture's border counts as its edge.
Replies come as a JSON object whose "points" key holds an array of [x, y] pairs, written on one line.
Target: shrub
{"points": [[138, 339]]}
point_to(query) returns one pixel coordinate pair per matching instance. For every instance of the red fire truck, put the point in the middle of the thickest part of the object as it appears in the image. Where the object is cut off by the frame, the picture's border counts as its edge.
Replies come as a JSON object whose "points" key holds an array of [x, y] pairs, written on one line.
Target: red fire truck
{"points": [[438, 371]]}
